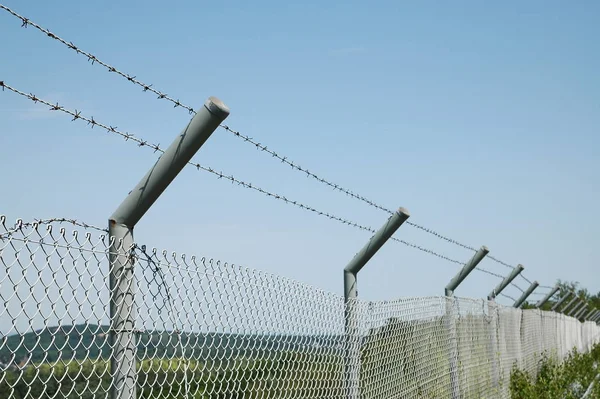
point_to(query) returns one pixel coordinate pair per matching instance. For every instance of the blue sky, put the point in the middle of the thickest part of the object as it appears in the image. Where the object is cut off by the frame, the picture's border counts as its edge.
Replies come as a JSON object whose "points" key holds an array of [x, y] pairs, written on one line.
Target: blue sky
{"points": [[480, 119]]}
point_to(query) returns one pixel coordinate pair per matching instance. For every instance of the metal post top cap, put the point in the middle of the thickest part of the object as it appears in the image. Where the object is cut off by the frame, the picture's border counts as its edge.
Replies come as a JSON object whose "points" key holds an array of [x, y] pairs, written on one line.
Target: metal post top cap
{"points": [[403, 210], [217, 107]]}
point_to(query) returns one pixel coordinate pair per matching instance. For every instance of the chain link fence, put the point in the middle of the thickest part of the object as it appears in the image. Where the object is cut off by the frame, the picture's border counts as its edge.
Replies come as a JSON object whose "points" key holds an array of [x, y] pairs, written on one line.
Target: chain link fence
{"points": [[209, 329]]}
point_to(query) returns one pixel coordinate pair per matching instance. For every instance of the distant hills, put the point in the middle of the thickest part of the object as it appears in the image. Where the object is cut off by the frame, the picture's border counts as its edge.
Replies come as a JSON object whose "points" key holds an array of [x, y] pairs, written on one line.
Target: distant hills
{"points": [[90, 341]]}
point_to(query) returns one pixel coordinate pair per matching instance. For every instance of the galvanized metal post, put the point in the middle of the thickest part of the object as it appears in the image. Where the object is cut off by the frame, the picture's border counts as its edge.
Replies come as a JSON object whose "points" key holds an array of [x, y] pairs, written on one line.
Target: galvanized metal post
{"points": [[120, 228], [590, 314], [571, 302], [547, 297], [352, 364], [560, 301], [466, 269], [351, 270], [581, 311], [526, 294], [451, 316], [504, 283], [576, 308]]}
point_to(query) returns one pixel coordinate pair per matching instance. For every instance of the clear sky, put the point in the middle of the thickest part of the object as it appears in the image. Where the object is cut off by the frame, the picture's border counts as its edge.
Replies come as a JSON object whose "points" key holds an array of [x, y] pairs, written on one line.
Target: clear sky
{"points": [[480, 118]]}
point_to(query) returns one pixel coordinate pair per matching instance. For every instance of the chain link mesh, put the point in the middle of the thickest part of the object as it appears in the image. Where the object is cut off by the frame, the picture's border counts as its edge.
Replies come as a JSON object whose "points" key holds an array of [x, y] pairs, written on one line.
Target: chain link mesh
{"points": [[209, 329]]}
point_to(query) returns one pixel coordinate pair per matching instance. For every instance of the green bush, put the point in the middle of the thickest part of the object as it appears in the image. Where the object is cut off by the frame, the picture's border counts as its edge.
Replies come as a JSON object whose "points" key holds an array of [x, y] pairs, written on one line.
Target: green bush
{"points": [[568, 379]]}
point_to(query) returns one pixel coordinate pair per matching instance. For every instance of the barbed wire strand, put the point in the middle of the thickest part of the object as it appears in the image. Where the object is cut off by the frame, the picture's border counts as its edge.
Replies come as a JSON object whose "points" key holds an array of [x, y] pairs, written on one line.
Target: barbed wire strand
{"points": [[263, 148], [507, 296], [512, 283], [20, 225], [478, 268], [525, 278], [220, 175], [500, 262]]}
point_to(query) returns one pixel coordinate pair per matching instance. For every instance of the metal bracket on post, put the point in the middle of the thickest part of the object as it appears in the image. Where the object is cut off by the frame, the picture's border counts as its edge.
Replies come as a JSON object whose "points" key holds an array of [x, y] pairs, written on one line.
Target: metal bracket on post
{"points": [[526, 294], [547, 297], [560, 301], [449, 292], [352, 363], [571, 302], [120, 229], [466, 269], [504, 283]]}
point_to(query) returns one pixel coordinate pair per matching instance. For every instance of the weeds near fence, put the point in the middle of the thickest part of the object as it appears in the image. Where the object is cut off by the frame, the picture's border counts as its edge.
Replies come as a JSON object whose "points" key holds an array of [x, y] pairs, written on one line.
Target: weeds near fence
{"points": [[569, 379]]}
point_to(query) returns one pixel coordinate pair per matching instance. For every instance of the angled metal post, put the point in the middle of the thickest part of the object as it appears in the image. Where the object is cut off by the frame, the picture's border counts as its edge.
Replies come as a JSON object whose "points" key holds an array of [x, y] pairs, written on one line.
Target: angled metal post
{"points": [[352, 364], [573, 300], [547, 297], [449, 292], [122, 284], [581, 311], [560, 301], [466, 269], [526, 294], [504, 283], [590, 314], [576, 308]]}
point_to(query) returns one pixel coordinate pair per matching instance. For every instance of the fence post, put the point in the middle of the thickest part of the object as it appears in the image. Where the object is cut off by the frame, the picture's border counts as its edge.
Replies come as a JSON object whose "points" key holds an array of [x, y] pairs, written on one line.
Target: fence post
{"points": [[526, 294], [590, 314], [571, 302], [576, 308], [560, 301], [581, 311], [466, 269], [504, 283], [120, 225], [352, 364], [547, 297], [449, 292]]}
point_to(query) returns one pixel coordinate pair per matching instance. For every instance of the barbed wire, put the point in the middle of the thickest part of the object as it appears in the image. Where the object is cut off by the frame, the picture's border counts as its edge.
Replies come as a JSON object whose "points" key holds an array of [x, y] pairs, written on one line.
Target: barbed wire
{"points": [[547, 287], [525, 278], [263, 148], [95, 60], [20, 225], [507, 296], [489, 272], [500, 262], [220, 175], [512, 283]]}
